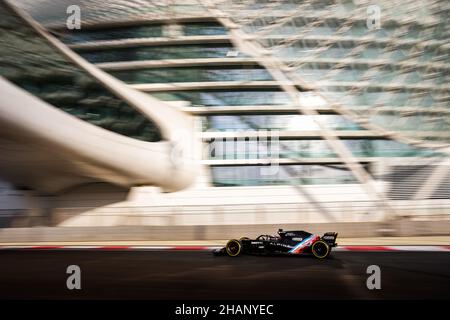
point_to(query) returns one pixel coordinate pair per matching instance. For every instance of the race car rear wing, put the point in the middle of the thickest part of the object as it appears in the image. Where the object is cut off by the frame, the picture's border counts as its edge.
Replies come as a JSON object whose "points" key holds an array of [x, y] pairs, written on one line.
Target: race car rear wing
{"points": [[330, 238]]}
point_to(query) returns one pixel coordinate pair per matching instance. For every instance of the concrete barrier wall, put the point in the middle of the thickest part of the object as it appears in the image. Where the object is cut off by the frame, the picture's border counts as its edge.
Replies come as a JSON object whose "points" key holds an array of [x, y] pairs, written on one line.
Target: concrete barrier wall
{"points": [[215, 232]]}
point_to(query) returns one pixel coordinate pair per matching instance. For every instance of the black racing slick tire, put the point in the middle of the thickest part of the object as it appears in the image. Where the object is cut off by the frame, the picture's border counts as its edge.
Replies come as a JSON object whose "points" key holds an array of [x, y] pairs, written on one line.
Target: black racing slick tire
{"points": [[233, 248], [244, 238], [320, 249]]}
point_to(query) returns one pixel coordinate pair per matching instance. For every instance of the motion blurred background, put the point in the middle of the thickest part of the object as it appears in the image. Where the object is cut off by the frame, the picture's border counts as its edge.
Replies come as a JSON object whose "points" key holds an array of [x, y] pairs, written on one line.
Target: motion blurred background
{"points": [[210, 119]]}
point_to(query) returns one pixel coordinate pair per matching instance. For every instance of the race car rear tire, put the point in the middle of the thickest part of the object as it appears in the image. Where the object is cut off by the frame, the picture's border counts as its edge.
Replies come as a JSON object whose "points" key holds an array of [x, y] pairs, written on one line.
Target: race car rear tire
{"points": [[320, 249], [233, 248]]}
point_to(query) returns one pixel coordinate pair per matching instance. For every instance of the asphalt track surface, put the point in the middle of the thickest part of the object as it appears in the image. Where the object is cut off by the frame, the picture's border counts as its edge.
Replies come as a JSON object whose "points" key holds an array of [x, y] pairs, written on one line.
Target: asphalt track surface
{"points": [[115, 274]]}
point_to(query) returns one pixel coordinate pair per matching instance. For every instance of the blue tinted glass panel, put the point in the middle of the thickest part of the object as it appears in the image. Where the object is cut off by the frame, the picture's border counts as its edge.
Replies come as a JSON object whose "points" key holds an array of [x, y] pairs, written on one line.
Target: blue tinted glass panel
{"points": [[385, 148], [290, 122], [224, 98], [168, 75], [86, 35], [159, 53], [307, 174], [204, 29]]}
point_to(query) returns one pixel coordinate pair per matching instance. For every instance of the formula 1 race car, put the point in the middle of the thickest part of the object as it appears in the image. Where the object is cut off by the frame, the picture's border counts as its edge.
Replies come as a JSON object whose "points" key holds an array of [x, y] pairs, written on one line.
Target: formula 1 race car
{"points": [[286, 242]]}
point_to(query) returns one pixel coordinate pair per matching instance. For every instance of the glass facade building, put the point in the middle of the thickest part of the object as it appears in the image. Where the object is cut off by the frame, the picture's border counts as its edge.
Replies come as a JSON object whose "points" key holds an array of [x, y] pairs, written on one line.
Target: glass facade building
{"points": [[361, 82]]}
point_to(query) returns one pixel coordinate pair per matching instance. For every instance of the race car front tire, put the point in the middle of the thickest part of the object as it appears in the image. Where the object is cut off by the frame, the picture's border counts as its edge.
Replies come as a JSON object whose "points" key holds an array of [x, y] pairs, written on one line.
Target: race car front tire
{"points": [[320, 249], [233, 248]]}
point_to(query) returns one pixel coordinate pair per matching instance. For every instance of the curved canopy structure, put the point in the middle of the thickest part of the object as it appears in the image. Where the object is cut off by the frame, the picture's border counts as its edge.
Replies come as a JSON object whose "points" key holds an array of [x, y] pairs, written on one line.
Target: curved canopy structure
{"points": [[64, 122]]}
